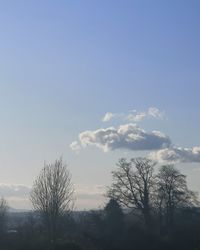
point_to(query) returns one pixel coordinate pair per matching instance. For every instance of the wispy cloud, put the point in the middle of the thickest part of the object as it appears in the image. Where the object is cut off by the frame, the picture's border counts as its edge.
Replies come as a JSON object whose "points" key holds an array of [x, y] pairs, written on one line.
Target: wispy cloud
{"points": [[16, 195], [10, 190], [86, 196], [89, 196], [88, 191], [128, 136], [75, 146], [108, 116], [135, 116]]}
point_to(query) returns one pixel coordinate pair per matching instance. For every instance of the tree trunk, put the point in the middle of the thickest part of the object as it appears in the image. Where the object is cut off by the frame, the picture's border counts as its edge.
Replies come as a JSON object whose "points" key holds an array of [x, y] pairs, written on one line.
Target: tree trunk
{"points": [[147, 218]]}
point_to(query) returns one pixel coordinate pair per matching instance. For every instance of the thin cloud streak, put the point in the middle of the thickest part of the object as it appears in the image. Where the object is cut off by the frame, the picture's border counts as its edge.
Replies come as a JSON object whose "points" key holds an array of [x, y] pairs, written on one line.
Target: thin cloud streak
{"points": [[134, 115]]}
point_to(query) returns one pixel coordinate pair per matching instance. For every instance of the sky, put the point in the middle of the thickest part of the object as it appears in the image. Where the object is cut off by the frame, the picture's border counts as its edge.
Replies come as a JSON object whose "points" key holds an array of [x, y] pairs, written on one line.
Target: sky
{"points": [[94, 81]]}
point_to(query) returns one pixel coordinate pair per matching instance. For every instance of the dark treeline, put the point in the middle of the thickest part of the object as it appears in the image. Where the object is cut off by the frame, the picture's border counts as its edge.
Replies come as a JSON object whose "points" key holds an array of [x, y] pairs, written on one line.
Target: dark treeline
{"points": [[145, 209]]}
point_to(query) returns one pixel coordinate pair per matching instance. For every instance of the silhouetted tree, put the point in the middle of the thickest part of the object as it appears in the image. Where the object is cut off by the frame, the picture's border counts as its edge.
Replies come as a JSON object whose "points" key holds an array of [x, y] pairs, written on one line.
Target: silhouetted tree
{"points": [[172, 193], [113, 218], [3, 215], [114, 222], [52, 195], [132, 185]]}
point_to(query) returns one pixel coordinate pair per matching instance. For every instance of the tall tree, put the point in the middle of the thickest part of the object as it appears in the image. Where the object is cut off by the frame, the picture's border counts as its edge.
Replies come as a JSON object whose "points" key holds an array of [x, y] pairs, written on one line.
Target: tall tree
{"points": [[172, 193], [52, 195], [113, 218], [132, 185], [3, 215]]}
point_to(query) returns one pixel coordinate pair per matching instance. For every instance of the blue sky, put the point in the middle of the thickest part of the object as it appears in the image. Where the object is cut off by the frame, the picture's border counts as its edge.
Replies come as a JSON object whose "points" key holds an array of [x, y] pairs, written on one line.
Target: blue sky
{"points": [[64, 64]]}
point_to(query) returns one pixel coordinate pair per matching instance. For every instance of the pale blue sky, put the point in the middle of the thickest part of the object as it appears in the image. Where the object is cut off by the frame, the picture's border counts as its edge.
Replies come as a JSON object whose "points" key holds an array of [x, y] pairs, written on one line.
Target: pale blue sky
{"points": [[64, 64]]}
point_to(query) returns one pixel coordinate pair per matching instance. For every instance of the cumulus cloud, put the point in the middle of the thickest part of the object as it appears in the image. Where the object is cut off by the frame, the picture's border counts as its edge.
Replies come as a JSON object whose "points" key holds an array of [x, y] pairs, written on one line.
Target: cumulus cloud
{"points": [[135, 116], [176, 155], [128, 136]]}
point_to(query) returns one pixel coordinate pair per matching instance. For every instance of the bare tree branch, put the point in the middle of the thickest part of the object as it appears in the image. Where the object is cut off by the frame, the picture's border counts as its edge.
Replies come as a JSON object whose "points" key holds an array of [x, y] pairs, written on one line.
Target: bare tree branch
{"points": [[52, 194]]}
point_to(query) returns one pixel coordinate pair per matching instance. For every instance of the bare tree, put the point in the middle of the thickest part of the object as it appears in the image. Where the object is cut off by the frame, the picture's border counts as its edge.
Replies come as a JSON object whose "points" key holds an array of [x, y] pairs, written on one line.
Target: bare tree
{"points": [[133, 184], [52, 195], [172, 193]]}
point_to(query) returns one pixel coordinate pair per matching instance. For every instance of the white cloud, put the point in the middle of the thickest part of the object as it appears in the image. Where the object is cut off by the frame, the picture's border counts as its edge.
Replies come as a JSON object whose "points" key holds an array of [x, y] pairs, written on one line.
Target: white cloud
{"points": [[135, 116], [175, 155], [75, 146], [108, 116], [128, 136], [156, 113], [152, 112]]}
